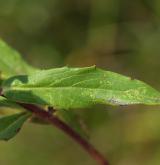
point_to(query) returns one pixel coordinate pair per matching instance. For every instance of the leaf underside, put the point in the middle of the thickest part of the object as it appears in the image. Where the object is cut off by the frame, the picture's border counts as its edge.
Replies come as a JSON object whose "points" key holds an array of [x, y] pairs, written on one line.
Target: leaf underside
{"points": [[10, 125], [67, 88]]}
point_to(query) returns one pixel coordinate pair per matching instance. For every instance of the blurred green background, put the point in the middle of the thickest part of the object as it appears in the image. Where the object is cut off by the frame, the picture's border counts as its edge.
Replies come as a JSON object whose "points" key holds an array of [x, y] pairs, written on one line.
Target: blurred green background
{"points": [[117, 35]]}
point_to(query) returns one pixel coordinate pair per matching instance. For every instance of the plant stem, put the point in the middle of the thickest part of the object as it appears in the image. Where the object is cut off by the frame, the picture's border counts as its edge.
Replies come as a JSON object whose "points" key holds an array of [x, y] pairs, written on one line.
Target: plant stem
{"points": [[54, 120]]}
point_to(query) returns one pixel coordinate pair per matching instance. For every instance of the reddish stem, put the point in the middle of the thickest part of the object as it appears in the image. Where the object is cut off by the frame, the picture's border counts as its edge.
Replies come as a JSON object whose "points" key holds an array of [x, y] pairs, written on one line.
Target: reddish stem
{"points": [[47, 116]]}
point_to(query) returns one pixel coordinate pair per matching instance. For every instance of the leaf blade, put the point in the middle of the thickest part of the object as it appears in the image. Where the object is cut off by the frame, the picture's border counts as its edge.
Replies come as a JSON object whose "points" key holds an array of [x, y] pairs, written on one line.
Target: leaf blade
{"points": [[8, 107], [67, 88], [10, 125]]}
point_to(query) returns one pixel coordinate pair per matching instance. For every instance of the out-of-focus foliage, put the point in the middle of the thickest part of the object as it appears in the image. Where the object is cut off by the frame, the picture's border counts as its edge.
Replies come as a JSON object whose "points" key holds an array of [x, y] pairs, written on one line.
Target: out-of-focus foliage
{"points": [[11, 62], [118, 35]]}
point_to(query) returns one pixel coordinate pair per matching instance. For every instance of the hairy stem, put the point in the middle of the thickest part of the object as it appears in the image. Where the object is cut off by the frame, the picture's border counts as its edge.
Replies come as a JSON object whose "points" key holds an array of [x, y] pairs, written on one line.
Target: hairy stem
{"points": [[54, 120]]}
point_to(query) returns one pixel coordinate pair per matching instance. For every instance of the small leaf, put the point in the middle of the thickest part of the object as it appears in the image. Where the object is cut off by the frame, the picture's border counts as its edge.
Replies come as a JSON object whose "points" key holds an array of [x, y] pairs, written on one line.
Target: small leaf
{"points": [[11, 63], [67, 88], [10, 125], [7, 103], [8, 107]]}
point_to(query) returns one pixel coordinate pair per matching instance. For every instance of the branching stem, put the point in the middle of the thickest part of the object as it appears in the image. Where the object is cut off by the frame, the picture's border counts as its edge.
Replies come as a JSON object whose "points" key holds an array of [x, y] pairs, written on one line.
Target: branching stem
{"points": [[54, 120]]}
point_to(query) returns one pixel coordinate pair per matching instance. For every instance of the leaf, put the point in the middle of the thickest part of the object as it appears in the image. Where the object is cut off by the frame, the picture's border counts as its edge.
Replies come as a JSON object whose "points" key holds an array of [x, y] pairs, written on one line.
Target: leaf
{"points": [[8, 107], [10, 125], [11, 63], [6, 103], [66, 88]]}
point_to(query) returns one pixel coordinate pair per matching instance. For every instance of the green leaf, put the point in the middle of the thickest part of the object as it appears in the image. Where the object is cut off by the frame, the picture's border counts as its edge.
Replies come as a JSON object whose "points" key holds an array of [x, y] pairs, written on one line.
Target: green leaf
{"points": [[10, 125], [66, 88], [8, 107], [6, 103], [11, 63]]}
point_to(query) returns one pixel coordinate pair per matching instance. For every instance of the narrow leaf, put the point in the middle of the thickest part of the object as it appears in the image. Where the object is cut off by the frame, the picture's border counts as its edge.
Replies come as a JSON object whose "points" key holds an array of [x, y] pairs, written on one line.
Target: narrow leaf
{"points": [[66, 88], [8, 107], [7, 103], [11, 63], [10, 125]]}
